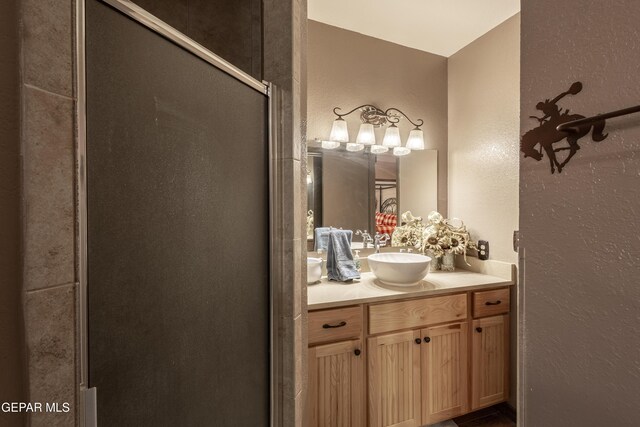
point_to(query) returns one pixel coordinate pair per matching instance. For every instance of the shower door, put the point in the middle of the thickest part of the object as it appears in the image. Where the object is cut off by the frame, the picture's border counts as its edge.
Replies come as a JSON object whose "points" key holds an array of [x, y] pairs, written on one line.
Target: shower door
{"points": [[177, 228]]}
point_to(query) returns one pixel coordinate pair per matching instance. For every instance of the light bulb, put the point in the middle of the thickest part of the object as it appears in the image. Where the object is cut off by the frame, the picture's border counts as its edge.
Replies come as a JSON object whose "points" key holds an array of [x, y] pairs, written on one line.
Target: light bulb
{"points": [[392, 136], [379, 149], [330, 145], [366, 135], [415, 140], [351, 146], [339, 131], [401, 151]]}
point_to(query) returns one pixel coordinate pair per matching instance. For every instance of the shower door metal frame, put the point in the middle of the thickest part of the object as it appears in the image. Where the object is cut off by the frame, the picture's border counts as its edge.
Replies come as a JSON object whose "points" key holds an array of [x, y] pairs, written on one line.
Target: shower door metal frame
{"points": [[87, 411]]}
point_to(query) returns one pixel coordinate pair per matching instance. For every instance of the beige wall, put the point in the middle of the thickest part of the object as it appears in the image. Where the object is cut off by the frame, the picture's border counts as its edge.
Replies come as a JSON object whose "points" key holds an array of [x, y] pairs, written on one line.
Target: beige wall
{"points": [[348, 69], [11, 339], [579, 229], [484, 102]]}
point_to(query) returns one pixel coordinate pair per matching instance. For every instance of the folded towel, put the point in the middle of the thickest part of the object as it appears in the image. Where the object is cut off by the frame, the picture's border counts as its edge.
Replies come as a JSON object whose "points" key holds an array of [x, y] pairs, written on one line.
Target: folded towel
{"points": [[321, 239], [340, 264]]}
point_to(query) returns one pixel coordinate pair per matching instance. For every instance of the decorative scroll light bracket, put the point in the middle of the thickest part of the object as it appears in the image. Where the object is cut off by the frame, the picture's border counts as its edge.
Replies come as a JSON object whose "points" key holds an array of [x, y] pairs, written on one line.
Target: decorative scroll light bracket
{"points": [[372, 117], [377, 117]]}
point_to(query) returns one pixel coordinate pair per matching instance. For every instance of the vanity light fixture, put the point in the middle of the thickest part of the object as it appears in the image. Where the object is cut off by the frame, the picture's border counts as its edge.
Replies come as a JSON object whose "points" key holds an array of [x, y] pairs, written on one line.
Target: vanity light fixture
{"points": [[416, 139], [339, 131], [401, 151], [354, 146], [379, 149], [366, 135], [392, 136], [330, 145], [373, 117]]}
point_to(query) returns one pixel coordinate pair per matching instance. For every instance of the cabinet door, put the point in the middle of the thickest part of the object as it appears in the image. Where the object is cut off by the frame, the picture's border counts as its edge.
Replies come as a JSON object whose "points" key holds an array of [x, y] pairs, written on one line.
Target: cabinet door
{"points": [[444, 372], [394, 380], [490, 355], [336, 385]]}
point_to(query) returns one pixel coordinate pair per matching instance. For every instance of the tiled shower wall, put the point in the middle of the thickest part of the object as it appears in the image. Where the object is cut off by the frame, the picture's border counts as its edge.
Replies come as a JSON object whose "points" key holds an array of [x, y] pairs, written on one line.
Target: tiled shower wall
{"points": [[50, 232], [49, 206]]}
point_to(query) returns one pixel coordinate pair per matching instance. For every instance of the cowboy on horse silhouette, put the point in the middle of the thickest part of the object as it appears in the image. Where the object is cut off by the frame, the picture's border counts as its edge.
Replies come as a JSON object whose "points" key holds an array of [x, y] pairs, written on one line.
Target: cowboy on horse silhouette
{"points": [[546, 133]]}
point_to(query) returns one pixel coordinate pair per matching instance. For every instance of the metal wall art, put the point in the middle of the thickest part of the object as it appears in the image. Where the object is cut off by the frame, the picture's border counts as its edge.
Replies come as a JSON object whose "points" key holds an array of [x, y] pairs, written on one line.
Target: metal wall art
{"points": [[556, 125], [546, 133]]}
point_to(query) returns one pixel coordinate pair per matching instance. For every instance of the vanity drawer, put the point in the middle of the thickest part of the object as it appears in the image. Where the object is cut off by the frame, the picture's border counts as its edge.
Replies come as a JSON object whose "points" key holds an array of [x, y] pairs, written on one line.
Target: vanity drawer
{"points": [[416, 313], [336, 324], [490, 303]]}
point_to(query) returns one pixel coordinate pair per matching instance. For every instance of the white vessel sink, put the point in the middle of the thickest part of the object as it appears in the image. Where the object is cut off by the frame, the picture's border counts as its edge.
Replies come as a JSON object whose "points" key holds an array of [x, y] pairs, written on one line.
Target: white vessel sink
{"points": [[314, 270], [399, 269]]}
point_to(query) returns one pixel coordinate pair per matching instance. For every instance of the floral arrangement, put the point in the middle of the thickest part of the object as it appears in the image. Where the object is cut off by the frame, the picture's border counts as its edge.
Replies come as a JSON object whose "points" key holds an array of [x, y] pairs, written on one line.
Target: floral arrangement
{"points": [[438, 236], [441, 236], [410, 233]]}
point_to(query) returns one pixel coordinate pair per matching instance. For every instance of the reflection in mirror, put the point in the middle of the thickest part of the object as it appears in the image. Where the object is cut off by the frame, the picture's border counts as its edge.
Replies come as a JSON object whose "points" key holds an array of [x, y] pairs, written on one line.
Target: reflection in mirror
{"points": [[364, 191], [386, 167]]}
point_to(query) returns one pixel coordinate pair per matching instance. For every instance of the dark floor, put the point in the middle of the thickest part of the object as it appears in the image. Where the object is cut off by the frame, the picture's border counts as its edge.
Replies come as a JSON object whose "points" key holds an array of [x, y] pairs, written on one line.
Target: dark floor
{"points": [[490, 417]]}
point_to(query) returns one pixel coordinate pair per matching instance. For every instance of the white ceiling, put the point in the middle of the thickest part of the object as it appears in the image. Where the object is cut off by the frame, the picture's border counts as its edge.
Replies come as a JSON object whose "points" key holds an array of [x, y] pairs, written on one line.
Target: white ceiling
{"points": [[438, 26]]}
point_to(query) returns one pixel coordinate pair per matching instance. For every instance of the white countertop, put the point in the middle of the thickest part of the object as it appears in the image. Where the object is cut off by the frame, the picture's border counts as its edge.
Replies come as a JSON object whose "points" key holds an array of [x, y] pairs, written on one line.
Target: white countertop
{"points": [[326, 294]]}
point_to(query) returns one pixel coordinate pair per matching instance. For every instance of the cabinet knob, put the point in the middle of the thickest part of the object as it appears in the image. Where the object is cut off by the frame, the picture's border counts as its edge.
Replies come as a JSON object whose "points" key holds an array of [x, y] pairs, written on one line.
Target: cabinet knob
{"points": [[356, 352], [427, 339], [418, 340], [478, 329]]}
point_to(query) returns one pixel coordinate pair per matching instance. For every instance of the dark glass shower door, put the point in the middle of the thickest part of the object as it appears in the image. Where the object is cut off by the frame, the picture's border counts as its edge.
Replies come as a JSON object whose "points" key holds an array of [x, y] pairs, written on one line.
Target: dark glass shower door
{"points": [[178, 233]]}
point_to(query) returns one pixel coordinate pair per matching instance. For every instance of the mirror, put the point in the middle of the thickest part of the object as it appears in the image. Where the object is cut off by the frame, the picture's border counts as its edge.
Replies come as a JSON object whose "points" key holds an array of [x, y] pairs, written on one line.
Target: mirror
{"points": [[364, 191]]}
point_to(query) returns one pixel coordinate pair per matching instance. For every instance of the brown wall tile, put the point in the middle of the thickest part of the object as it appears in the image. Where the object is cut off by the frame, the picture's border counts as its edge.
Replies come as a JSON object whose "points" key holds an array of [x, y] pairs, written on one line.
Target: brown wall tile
{"points": [[47, 40], [48, 189], [50, 322]]}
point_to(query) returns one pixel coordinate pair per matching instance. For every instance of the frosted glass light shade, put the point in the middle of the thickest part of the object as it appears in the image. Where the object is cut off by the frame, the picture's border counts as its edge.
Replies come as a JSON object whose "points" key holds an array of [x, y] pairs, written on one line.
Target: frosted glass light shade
{"points": [[352, 146], [379, 149], [415, 140], [366, 135], [330, 145], [392, 137], [401, 151], [339, 131]]}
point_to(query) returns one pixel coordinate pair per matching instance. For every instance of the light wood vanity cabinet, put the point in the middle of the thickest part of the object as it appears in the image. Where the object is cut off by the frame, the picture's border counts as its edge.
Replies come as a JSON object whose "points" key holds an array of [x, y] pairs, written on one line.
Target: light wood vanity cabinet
{"points": [[445, 374], [490, 348], [336, 384], [336, 368], [419, 376], [426, 360], [394, 377]]}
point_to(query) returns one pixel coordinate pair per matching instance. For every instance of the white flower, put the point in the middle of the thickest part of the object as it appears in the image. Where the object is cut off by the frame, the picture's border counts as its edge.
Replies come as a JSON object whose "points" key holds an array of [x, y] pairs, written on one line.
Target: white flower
{"points": [[435, 218]]}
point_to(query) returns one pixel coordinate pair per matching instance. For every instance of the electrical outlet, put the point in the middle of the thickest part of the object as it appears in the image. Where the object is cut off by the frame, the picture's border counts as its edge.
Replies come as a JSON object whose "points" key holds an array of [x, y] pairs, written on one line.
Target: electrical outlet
{"points": [[483, 250]]}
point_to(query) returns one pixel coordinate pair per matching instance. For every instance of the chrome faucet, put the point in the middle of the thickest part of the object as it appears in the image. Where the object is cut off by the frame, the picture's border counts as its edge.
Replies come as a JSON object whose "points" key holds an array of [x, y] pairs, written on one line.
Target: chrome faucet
{"points": [[366, 238], [380, 240]]}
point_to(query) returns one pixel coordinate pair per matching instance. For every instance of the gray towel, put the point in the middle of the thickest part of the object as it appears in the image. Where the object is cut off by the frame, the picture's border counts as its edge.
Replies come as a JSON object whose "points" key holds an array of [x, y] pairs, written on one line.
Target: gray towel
{"points": [[340, 264], [321, 239]]}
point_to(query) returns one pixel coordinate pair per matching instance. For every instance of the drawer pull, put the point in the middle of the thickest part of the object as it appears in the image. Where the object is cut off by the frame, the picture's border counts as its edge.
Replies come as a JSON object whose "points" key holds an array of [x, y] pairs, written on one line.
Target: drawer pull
{"points": [[339, 325], [492, 303]]}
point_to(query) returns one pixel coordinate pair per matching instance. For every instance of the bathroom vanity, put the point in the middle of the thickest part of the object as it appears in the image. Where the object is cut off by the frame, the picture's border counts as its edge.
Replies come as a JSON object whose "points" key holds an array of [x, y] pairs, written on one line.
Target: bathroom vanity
{"points": [[391, 356]]}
